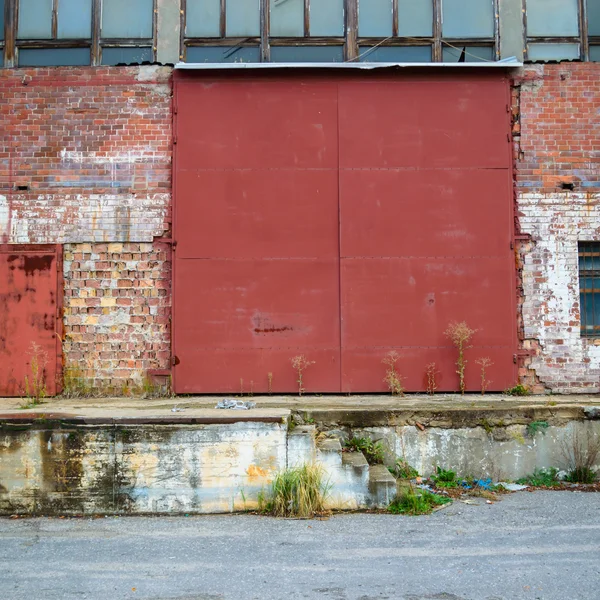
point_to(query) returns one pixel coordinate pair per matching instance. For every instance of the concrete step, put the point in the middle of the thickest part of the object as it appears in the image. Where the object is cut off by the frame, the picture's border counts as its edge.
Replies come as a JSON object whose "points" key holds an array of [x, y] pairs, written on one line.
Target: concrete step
{"points": [[301, 446], [382, 486], [329, 453], [349, 482]]}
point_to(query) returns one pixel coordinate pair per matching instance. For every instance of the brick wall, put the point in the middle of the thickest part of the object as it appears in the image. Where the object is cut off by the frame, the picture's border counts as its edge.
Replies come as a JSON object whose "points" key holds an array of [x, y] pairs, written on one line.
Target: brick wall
{"points": [[557, 144], [85, 161]]}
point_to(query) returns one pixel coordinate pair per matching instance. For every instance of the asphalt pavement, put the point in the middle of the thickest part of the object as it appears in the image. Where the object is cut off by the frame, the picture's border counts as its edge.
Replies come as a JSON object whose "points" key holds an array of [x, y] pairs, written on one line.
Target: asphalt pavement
{"points": [[540, 545]]}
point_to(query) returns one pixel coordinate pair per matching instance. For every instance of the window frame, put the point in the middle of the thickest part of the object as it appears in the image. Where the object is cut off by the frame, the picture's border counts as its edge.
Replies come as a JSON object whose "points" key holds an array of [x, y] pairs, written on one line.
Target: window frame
{"points": [[588, 248], [350, 41], [583, 39], [12, 44]]}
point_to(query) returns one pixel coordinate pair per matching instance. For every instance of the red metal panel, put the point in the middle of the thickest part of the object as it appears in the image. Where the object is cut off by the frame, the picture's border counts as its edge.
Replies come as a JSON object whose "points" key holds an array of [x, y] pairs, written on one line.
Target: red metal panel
{"points": [[28, 318], [454, 121]]}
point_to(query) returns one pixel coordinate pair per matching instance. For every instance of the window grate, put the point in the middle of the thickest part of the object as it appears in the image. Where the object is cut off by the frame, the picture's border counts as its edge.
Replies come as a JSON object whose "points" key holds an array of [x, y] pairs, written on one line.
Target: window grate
{"points": [[589, 288]]}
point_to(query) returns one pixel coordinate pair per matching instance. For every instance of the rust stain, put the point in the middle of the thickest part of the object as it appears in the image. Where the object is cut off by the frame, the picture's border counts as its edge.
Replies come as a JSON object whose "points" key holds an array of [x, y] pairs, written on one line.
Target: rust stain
{"points": [[255, 472], [31, 263], [273, 329]]}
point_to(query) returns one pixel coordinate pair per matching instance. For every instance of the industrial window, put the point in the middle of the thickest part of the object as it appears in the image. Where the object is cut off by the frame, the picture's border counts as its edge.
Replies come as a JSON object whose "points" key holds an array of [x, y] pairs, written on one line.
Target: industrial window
{"points": [[340, 30], [589, 288], [77, 32], [562, 30]]}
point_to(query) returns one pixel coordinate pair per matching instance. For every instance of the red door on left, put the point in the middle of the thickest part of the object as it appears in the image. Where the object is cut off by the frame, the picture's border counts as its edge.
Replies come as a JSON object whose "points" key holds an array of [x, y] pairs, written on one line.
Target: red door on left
{"points": [[29, 320]]}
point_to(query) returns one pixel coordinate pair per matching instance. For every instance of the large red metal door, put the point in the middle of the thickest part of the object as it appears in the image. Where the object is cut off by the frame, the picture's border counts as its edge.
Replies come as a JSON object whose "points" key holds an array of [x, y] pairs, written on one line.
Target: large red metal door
{"points": [[256, 222], [407, 179], [29, 320]]}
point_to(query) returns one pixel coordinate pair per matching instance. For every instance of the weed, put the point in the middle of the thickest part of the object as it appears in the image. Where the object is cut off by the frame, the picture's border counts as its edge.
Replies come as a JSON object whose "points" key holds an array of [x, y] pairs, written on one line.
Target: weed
{"points": [[241, 387], [580, 453], [409, 502], [402, 470], [431, 374], [484, 363], [460, 335], [392, 377], [298, 492], [535, 427], [373, 451], [541, 478], [300, 363], [489, 428], [35, 381], [270, 383], [75, 384], [444, 478], [517, 390], [518, 437]]}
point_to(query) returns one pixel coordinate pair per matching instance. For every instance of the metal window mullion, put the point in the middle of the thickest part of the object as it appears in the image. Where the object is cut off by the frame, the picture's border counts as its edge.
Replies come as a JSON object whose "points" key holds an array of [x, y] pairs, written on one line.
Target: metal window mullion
{"points": [[96, 25], [583, 30], [306, 18], [265, 48], [223, 19], [436, 54], [525, 32], [395, 24], [497, 29], [182, 26], [154, 29], [54, 25]]}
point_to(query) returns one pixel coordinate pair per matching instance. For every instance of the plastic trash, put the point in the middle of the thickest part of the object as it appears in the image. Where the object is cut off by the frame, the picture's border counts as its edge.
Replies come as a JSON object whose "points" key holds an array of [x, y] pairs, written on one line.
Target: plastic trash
{"points": [[484, 484], [512, 487], [232, 404]]}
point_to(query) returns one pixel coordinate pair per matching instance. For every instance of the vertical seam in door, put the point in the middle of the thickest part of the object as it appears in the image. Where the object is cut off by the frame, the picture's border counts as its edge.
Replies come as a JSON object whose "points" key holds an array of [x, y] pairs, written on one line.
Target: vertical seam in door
{"points": [[339, 237]]}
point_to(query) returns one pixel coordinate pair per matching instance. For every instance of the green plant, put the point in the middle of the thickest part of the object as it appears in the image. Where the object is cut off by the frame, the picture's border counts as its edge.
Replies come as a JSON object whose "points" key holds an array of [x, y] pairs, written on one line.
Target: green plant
{"points": [[402, 470], [270, 383], [444, 478], [431, 374], [373, 451], [489, 428], [580, 452], [297, 492], [484, 364], [300, 363], [392, 377], [460, 335], [517, 390], [541, 478], [410, 502], [536, 427], [35, 382]]}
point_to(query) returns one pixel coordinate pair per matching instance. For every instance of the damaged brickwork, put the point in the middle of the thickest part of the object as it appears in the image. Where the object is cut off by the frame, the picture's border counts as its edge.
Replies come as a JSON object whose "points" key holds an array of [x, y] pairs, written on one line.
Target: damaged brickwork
{"points": [[556, 113], [85, 161]]}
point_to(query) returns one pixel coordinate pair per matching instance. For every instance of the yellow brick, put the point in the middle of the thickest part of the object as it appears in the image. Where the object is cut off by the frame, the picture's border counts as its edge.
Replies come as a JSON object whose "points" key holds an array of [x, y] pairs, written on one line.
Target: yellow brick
{"points": [[91, 320], [77, 301], [115, 248], [85, 248], [108, 301]]}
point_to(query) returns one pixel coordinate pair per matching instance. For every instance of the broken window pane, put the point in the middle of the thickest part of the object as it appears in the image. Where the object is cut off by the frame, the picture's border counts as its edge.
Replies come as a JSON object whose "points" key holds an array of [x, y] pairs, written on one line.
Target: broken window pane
{"points": [[468, 18], [222, 54], [415, 17], [126, 56], [375, 18], [287, 54], [595, 53], [203, 18], [54, 57], [467, 54], [327, 18], [395, 54], [593, 17], [130, 19], [287, 18], [544, 52], [243, 18], [552, 18], [75, 19], [35, 19]]}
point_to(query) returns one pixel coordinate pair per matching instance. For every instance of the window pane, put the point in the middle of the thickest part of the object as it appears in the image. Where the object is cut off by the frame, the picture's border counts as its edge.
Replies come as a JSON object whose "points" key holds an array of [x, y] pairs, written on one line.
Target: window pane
{"points": [[415, 17], [467, 54], [243, 17], [287, 18], [375, 18], [553, 52], [126, 56], [307, 54], [203, 18], [593, 17], [75, 19], [1, 24], [127, 19], [395, 54], [552, 17], [35, 19], [327, 17], [595, 53], [54, 57], [468, 18], [222, 54]]}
